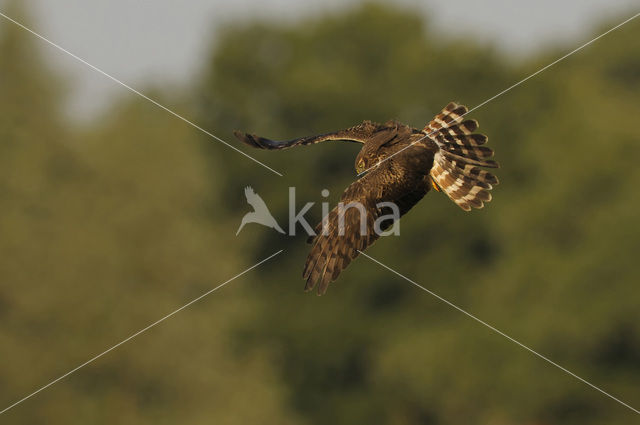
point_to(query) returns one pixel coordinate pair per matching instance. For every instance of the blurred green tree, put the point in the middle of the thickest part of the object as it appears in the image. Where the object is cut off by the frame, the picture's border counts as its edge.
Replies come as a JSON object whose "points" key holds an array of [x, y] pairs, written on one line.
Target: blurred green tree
{"points": [[103, 232]]}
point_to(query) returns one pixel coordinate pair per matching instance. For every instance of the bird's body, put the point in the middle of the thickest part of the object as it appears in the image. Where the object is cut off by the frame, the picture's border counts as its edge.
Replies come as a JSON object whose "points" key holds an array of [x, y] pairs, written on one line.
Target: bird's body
{"points": [[400, 165]]}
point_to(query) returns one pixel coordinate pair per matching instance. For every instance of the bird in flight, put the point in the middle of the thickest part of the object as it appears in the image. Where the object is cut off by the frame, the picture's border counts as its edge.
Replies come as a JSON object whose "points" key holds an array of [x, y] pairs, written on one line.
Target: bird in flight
{"points": [[260, 213], [398, 164]]}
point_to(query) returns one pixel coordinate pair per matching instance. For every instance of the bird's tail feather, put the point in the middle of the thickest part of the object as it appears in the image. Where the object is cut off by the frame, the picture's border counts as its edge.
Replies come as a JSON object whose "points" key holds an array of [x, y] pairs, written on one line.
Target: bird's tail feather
{"points": [[456, 164]]}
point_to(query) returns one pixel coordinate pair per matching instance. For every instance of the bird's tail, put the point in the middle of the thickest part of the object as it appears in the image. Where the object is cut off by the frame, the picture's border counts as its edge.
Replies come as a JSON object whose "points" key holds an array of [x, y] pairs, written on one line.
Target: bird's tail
{"points": [[456, 164]]}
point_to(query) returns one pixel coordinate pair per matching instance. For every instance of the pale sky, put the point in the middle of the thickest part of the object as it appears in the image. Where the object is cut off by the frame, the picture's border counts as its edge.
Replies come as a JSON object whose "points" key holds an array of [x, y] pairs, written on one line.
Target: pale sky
{"points": [[164, 41]]}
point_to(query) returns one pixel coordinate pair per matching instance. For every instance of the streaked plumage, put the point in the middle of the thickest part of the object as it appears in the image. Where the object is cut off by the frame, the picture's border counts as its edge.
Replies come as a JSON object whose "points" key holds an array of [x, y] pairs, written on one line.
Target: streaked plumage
{"points": [[446, 154]]}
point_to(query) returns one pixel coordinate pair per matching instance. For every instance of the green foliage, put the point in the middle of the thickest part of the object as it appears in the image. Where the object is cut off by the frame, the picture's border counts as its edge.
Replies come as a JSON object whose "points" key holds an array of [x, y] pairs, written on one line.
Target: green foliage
{"points": [[108, 229]]}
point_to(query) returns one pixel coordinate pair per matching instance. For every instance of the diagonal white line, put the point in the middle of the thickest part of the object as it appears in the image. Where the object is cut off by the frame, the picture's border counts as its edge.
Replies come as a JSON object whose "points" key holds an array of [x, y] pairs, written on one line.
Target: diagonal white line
{"points": [[138, 333], [499, 332], [109, 76], [544, 68]]}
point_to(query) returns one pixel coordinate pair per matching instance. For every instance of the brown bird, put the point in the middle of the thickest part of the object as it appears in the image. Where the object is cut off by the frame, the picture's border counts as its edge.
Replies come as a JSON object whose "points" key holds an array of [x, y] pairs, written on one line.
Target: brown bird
{"points": [[400, 165]]}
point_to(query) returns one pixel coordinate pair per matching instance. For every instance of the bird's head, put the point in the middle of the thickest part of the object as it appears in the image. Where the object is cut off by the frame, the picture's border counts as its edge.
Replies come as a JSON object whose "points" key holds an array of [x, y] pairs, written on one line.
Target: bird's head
{"points": [[361, 164], [368, 158], [379, 145]]}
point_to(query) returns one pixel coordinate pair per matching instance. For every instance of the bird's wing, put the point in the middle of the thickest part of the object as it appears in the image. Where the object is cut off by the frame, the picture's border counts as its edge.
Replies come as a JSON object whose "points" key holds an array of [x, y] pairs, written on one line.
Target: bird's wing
{"points": [[254, 199], [360, 133], [332, 251], [250, 194]]}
